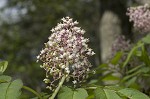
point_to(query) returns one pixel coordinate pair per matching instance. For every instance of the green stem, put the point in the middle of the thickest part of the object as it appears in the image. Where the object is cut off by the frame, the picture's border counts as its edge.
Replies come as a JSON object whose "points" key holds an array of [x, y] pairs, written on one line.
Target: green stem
{"points": [[91, 88], [59, 86], [33, 91], [130, 54]]}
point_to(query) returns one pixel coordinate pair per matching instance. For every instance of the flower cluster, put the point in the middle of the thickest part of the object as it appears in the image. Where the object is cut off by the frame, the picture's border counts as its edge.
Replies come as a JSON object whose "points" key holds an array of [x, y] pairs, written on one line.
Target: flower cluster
{"points": [[141, 17], [120, 44], [66, 53]]}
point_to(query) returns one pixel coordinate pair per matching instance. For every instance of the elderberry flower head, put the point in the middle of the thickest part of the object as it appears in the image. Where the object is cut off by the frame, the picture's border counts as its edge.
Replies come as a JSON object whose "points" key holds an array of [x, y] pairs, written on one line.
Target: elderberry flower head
{"points": [[66, 53], [120, 44], [141, 17]]}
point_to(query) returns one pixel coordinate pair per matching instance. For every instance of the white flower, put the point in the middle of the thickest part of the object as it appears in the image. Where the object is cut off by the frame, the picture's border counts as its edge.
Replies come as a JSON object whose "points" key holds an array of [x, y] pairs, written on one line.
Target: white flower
{"points": [[82, 31], [70, 56], [74, 82], [38, 57], [42, 51], [54, 53], [52, 30], [75, 22], [63, 66], [56, 58], [61, 49], [50, 43], [67, 70]]}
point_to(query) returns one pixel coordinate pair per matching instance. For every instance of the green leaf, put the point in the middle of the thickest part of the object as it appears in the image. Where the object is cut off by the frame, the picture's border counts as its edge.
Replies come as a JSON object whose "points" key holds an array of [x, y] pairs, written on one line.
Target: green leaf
{"points": [[135, 69], [133, 94], [131, 53], [67, 93], [146, 39], [111, 78], [35, 98], [106, 94], [131, 81], [3, 66], [136, 73], [115, 88], [11, 90], [145, 56], [111, 94], [117, 58], [5, 78], [99, 94]]}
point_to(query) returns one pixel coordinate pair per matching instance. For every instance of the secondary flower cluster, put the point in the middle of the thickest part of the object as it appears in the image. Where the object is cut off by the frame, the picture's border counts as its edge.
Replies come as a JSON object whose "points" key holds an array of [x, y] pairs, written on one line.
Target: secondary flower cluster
{"points": [[120, 44], [141, 17], [66, 53]]}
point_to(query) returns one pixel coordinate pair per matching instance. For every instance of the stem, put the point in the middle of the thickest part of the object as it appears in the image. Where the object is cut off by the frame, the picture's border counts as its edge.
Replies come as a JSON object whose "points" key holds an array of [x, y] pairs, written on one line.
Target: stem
{"points": [[130, 54], [59, 86], [33, 91], [91, 88]]}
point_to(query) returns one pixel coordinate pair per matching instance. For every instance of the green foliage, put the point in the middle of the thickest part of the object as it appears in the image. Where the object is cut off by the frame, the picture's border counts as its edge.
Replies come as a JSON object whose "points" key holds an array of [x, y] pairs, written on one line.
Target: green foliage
{"points": [[3, 66], [117, 57], [4, 78], [109, 93], [10, 89], [133, 72], [133, 94], [99, 93], [67, 93], [146, 39]]}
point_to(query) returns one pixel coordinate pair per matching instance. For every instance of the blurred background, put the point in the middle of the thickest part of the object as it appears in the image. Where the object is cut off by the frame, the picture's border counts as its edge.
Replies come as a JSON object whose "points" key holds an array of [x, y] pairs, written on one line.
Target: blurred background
{"points": [[25, 26]]}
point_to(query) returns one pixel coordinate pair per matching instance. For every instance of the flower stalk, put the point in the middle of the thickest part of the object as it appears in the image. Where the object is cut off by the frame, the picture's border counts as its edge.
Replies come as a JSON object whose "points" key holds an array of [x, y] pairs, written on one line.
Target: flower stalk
{"points": [[58, 88], [32, 91]]}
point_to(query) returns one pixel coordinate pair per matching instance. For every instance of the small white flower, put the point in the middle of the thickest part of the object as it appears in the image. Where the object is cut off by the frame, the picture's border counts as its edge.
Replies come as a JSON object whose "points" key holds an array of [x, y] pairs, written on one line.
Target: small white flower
{"points": [[54, 53], [46, 80], [82, 31], [38, 57], [74, 82], [61, 49], [62, 31], [64, 54], [84, 40], [48, 87], [42, 51], [61, 56], [50, 43], [63, 66], [70, 56], [92, 53], [52, 30], [56, 58], [69, 44], [67, 70], [67, 31], [88, 53], [63, 19], [75, 22]]}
